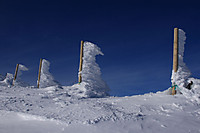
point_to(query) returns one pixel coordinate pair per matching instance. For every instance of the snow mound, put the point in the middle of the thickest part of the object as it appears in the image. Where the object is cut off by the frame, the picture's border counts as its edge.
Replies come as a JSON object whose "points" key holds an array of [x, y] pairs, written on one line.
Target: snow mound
{"points": [[194, 93], [92, 84], [46, 78]]}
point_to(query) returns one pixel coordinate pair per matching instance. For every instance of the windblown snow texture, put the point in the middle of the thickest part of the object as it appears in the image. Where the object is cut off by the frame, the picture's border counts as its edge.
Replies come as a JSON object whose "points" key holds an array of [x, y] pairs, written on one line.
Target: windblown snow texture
{"points": [[46, 78], [92, 83], [22, 109]]}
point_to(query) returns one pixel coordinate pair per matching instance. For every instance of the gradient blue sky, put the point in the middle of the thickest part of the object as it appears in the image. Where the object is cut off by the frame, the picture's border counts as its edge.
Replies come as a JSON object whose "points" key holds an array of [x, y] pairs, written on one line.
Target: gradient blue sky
{"points": [[135, 36]]}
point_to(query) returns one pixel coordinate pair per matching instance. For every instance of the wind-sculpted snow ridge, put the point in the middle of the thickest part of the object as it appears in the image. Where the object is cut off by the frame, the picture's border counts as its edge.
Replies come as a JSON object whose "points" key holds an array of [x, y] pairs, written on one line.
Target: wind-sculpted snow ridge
{"points": [[92, 84], [182, 76], [46, 78]]}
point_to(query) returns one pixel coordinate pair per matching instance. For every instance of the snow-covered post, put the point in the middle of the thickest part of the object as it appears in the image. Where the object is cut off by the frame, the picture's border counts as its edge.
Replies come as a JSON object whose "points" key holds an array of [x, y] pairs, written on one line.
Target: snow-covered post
{"points": [[180, 72], [91, 73], [175, 56], [39, 73], [16, 71], [81, 63], [46, 79]]}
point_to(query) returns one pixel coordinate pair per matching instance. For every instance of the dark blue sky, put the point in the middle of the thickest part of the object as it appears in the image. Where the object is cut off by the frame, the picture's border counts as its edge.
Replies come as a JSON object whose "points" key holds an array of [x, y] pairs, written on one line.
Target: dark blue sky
{"points": [[136, 38]]}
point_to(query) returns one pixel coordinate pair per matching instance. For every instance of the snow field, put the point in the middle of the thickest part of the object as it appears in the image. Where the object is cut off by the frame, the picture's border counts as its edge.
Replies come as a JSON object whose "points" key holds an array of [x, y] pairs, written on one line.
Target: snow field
{"points": [[47, 109]]}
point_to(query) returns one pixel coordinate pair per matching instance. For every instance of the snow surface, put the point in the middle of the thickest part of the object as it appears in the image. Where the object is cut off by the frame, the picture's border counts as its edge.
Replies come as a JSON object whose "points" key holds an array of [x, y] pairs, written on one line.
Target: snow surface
{"points": [[29, 110]]}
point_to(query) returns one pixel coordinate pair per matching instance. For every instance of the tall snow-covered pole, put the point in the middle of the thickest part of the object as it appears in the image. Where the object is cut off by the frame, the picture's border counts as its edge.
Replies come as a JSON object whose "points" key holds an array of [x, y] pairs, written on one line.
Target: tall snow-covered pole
{"points": [[175, 55], [81, 63], [16, 71], [39, 73]]}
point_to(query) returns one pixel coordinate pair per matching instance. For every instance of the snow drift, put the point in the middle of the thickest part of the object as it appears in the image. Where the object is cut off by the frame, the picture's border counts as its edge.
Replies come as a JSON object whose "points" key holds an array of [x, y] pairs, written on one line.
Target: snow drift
{"points": [[92, 84]]}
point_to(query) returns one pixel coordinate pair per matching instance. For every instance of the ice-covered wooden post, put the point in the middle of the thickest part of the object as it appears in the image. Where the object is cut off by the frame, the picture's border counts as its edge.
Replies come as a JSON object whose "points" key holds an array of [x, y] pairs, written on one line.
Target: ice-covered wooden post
{"points": [[81, 63], [175, 56], [39, 73], [16, 71]]}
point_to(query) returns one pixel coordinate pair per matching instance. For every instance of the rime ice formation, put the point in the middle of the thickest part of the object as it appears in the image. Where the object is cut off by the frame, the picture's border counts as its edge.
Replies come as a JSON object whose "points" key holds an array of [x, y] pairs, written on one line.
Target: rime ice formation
{"points": [[18, 81], [182, 76], [46, 78], [7, 80], [20, 69], [92, 84]]}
